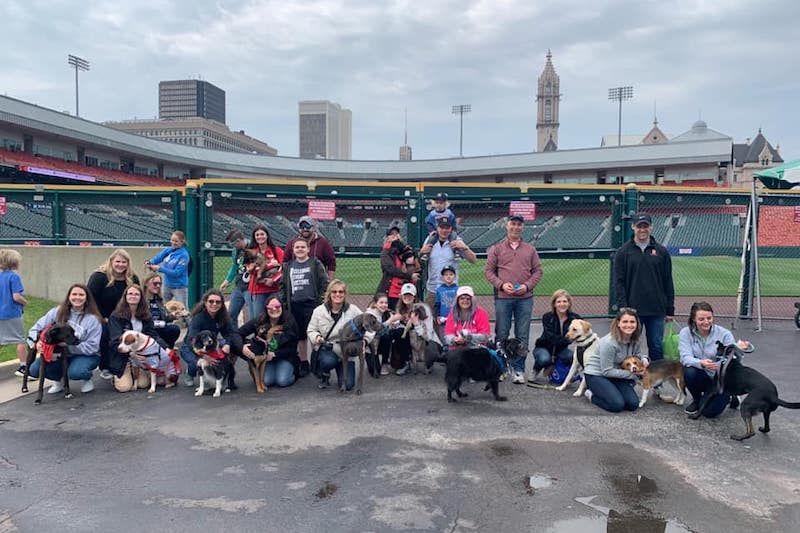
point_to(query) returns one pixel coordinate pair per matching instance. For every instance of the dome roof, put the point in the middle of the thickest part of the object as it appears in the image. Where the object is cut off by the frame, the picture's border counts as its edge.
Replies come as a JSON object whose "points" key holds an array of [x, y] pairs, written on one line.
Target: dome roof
{"points": [[699, 126]]}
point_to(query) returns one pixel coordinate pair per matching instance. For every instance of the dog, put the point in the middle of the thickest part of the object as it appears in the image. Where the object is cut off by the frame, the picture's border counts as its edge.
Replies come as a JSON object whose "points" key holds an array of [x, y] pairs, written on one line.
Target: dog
{"points": [[352, 343], [425, 348], [160, 362], [512, 348], [259, 346], [54, 339], [586, 342], [655, 374], [205, 345], [478, 364], [178, 311], [736, 379], [255, 260]]}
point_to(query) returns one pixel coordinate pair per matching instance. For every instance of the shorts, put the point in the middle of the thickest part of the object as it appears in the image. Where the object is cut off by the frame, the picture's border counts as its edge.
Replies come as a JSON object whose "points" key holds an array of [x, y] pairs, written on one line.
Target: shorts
{"points": [[301, 311], [12, 331]]}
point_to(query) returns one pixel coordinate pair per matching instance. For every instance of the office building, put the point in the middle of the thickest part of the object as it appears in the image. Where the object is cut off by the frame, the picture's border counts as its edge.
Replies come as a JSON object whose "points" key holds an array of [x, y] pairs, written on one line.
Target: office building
{"points": [[180, 99], [325, 130]]}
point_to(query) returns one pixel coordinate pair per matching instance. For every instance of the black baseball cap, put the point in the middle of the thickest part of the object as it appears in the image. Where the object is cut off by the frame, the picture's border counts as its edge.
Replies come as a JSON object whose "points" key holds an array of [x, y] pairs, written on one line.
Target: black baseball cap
{"points": [[642, 218], [448, 268], [517, 217], [442, 196], [443, 221], [393, 228]]}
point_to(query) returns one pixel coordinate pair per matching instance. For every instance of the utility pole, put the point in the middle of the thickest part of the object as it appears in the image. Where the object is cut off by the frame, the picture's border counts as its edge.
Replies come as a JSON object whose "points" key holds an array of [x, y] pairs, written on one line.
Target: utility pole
{"points": [[619, 94], [460, 110], [79, 64]]}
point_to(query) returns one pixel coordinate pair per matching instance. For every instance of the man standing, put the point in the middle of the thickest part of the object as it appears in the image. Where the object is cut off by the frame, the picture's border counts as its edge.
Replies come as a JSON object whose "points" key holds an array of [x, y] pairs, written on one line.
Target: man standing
{"points": [[319, 246], [238, 276], [442, 253], [513, 268], [643, 281]]}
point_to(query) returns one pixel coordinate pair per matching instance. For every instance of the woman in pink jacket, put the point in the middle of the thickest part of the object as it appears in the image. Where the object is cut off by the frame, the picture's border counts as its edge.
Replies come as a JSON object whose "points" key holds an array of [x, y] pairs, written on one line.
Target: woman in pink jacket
{"points": [[468, 323]]}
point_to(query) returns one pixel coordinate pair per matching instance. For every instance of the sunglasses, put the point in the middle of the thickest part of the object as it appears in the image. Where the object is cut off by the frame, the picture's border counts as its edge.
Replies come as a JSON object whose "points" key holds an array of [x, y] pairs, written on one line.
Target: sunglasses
{"points": [[273, 308], [305, 226], [337, 292], [155, 283], [214, 302]]}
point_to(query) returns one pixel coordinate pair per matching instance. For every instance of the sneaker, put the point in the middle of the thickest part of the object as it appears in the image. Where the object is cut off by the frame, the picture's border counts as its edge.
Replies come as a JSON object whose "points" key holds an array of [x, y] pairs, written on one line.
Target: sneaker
{"points": [[304, 370], [533, 377], [692, 408], [105, 374], [325, 381], [404, 370], [519, 378], [188, 380], [385, 370], [20, 372], [588, 394], [88, 386], [55, 388]]}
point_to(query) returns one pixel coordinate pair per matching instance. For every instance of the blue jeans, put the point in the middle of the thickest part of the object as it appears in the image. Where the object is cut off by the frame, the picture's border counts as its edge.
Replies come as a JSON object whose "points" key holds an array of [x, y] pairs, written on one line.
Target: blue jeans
{"points": [[700, 385], [79, 369], [177, 293], [330, 361], [189, 357], [279, 372], [257, 303], [543, 359], [654, 330], [519, 310], [238, 301], [612, 394]]}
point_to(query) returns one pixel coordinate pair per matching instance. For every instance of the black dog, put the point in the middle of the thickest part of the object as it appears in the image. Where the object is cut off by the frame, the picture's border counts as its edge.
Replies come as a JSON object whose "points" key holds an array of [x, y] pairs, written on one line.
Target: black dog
{"points": [[55, 338], [737, 379], [478, 364], [214, 374]]}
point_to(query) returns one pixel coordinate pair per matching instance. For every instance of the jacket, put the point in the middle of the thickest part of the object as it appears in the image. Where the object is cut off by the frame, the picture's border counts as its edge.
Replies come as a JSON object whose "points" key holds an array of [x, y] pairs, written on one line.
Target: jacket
{"points": [[319, 247], [552, 338], [390, 270], [287, 340], [478, 327], [319, 278], [321, 322], [174, 266], [116, 327], [87, 328], [203, 321], [693, 347], [610, 355], [107, 296], [261, 288], [643, 280]]}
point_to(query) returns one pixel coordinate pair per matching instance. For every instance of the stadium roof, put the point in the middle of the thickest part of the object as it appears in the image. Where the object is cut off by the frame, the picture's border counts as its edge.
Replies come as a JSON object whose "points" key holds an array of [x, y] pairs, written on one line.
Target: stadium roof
{"points": [[35, 119]]}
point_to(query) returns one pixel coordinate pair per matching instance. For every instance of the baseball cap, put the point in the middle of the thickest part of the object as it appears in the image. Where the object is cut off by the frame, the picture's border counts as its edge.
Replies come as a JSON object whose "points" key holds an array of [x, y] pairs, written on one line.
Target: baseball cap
{"points": [[465, 289], [448, 268], [517, 217], [442, 196], [642, 218], [408, 288], [443, 221], [234, 235], [305, 219], [393, 228]]}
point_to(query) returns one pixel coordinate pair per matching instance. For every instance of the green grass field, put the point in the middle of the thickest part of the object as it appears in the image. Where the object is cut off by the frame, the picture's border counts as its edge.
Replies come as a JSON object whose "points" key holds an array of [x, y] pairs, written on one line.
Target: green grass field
{"points": [[33, 311], [693, 276]]}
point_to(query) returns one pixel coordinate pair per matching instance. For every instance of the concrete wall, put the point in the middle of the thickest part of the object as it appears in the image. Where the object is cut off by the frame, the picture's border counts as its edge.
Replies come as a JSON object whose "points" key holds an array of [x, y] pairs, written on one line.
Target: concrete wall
{"points": [[48, 271]]}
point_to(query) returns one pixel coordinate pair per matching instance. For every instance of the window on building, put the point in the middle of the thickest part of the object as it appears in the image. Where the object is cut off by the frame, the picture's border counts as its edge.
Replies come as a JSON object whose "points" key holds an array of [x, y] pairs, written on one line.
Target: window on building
{"points": [[548, 111]]}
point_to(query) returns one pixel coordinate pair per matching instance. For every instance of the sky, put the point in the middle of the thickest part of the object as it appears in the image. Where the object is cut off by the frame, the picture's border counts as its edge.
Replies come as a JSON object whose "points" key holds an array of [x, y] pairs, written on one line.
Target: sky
{"points": [[733, 63]]}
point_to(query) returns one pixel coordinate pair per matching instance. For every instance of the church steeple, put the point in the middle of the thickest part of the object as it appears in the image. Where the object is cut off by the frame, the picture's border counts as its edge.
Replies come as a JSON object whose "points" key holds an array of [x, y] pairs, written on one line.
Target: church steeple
{"points": [[547, 98]]}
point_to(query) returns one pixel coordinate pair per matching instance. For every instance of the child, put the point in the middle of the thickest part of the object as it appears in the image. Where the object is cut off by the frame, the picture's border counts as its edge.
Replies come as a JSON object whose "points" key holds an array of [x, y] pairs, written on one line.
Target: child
{"points": [[434, 220], [446, 294], [12, 330], [379, 307]]}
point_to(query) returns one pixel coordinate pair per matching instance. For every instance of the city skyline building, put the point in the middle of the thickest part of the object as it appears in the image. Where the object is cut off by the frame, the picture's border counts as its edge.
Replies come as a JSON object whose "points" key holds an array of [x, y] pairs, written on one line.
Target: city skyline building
{"points": [[179, 99], [325, 130]]}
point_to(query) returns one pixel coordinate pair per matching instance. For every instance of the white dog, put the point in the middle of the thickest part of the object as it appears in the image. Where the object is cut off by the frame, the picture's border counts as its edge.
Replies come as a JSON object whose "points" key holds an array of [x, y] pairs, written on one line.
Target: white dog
{"points": [[159, 361], [586, 342]]}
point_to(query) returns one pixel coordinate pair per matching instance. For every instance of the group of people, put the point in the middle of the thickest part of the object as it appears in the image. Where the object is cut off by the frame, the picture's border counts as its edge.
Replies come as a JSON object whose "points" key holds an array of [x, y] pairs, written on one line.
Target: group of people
{"points": [[295, 288]]}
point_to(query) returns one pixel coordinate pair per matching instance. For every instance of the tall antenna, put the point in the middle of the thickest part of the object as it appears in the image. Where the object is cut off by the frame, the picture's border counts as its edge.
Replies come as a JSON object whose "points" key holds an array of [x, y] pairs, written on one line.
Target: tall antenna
{"points": [[405, 129], [655, 114]]}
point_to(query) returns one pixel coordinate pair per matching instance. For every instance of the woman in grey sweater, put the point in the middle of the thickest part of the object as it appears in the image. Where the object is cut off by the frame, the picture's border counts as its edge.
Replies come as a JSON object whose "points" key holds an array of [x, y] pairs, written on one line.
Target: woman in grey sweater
{"points": [[609, 386]]}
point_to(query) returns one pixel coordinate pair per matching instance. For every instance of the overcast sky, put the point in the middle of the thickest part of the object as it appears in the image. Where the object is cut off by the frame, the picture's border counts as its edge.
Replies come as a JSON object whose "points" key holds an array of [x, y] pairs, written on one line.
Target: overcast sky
{"points": [[733, 62]]}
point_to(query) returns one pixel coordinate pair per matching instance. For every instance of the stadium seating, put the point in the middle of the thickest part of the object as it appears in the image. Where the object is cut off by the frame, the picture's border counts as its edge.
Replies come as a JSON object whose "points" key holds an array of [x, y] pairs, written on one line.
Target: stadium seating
{"points": [[778, 226], [20, 222]]}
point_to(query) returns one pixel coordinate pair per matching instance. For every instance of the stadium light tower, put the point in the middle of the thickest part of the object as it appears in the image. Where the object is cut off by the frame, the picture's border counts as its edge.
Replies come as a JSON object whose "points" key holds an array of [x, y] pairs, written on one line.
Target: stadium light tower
{"points": [[79, 64], [460, 110], [619, 94]]}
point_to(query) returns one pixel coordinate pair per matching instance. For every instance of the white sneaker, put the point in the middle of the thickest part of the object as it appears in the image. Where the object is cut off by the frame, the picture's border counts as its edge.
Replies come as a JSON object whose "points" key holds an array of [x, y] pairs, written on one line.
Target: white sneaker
{"points": [[88, 386], [588, 394], [188, 380], [105, 374], [55, 388], [518, 378]]}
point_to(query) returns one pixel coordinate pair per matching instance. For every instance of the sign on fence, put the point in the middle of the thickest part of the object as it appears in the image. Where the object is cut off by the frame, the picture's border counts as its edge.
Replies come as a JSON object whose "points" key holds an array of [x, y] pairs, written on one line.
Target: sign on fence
{"points": [[3, 206], [526, 209], [322, 210], [796, 212]]}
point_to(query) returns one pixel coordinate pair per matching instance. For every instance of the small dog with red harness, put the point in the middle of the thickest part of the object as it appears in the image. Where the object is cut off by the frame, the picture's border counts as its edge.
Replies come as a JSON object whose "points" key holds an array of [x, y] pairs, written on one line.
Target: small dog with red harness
{"points": [[205, 346], [50, 346], [159, 362]]}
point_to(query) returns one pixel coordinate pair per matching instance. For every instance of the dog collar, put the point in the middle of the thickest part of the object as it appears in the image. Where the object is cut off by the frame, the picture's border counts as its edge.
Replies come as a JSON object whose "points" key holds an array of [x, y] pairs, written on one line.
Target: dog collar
{"points": [[356, 329], [586, 341], [215, 354]]}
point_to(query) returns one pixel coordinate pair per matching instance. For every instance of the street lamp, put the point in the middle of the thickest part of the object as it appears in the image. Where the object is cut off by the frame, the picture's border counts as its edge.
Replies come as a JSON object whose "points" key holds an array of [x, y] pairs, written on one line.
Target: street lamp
{"points": [[79, 64], [460, 110], [619, 94]]}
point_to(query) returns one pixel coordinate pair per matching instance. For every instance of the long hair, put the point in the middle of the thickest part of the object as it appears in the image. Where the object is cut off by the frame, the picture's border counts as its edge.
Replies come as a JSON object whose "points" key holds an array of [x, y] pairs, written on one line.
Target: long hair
{"points": [[123, 309], [254, 244], [108, 270], [404, 308], [698, 306], [222, 314], [148, 279], [615, 333], [560, 293], [89, 307], [334, 283], [286, 319], [464, 316]]}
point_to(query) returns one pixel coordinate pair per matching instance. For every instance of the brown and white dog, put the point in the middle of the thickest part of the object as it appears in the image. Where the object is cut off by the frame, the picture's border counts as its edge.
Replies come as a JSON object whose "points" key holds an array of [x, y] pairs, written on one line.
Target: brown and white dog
{"points": [[655, 374], [259, 345], [159, 361], [178, 311], [586, 341]]}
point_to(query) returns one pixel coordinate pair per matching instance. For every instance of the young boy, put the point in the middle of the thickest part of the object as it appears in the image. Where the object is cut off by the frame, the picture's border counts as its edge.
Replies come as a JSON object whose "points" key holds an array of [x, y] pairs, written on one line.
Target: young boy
{"points": [[440, 210], [11, 303], [445, 294]]}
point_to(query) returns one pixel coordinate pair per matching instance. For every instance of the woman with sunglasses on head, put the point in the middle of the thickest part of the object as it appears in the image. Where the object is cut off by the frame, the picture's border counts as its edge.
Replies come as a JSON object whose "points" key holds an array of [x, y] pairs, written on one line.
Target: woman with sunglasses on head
{"points": [[283, 364], [610, 386], [210, 314], [324, 330], [162, 319]]}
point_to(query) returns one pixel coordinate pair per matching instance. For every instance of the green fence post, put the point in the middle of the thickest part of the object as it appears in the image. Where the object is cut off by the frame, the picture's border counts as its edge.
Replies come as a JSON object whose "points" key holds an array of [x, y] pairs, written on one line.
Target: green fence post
{"points": [[177, 219], [193, 239], [619, 223], [415, 219], [57, 210]]}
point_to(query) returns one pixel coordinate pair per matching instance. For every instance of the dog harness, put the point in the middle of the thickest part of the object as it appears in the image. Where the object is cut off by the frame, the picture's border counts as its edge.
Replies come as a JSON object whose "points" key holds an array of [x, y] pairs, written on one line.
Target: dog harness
{"points": [[583, 344], [359, 333], [48, 349], [218, 355]]}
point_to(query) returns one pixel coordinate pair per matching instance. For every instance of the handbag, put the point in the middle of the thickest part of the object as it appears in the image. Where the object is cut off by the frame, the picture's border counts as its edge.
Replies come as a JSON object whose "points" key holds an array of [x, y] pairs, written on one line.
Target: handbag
{"points": [[670, 342], [314, 364]]}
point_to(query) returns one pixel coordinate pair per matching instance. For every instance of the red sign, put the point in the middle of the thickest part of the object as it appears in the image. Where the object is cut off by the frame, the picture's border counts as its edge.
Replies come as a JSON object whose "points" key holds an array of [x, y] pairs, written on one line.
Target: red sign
{"points": [[33, 243], [526, 209], [2, 205], [796, 213], [322, 210]]}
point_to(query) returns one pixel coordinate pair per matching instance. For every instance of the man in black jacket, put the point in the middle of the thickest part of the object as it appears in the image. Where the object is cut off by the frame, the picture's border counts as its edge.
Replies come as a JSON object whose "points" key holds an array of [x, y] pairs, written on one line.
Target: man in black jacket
{"points": [[643, 280]]}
